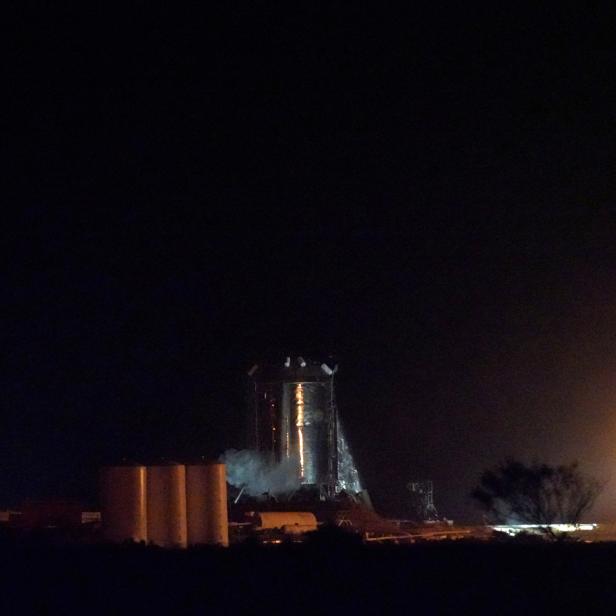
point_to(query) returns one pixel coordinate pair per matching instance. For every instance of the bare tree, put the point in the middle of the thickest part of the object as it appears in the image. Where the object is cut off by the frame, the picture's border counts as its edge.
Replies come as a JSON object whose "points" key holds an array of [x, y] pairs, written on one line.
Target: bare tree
{"points": [[540, 494]]}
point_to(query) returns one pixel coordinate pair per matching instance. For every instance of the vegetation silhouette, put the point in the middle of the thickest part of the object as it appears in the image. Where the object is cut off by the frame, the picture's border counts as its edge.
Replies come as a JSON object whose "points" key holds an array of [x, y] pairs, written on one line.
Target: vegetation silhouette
{"points": [[537, 493]]}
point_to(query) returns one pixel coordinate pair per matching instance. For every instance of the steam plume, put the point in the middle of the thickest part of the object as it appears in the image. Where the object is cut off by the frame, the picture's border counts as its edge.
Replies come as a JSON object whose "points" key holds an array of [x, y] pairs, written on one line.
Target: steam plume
{"points": [[252, 471]]}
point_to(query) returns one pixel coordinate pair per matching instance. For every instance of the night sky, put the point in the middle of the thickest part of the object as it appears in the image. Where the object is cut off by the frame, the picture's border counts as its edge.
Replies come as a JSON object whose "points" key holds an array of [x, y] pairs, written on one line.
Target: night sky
{"points": [[426, 196]]}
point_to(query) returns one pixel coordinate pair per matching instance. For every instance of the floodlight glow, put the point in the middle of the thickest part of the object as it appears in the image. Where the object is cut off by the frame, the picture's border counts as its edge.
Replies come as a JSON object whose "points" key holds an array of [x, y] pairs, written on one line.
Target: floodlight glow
{"points": [[514, 529], [327, 369]]}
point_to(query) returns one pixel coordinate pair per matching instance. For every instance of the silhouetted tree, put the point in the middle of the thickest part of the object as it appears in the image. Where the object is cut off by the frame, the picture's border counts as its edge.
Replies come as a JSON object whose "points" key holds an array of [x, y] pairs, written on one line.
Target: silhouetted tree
{"points": [[516, 493]]}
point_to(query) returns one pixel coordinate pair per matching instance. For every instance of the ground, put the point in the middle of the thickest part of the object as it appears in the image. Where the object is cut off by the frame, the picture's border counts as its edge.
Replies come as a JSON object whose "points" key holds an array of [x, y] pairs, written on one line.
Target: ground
{"points": [[329, 576]]}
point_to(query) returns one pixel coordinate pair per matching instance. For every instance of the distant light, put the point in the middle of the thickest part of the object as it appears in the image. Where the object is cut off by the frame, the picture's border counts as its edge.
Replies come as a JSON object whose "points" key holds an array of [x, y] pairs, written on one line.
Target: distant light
{"points": [[287, 362], [327, 369], [253, 370], [514, 529], [302, 362]]}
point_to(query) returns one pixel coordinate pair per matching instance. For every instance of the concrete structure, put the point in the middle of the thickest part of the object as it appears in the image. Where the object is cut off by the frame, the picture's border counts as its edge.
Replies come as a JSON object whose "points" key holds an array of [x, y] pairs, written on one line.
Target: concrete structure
{"points": [[169, 505], [123, 492], [206, 497], [166, 505]]}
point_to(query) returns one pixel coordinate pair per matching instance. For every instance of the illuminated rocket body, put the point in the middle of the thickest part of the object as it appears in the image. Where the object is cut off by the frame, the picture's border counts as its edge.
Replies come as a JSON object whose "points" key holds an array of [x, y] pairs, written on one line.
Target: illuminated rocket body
{"points": [[294, 417]]}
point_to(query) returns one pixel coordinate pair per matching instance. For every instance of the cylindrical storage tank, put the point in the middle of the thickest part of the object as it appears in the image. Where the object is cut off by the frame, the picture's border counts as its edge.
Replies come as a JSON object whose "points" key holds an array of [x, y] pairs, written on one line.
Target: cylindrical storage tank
{"points": [[268, 520], [206, 496], [166, 510], [123, 492]]}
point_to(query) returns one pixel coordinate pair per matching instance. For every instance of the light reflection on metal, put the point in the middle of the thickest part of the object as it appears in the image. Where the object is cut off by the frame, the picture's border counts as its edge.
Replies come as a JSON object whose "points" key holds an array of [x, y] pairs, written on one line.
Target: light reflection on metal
{"points": [[306, 402], [299, 405]]}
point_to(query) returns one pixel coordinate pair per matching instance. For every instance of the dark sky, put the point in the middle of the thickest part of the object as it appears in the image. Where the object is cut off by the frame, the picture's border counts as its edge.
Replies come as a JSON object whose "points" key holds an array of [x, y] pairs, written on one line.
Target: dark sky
{"points": [[428, 196]]}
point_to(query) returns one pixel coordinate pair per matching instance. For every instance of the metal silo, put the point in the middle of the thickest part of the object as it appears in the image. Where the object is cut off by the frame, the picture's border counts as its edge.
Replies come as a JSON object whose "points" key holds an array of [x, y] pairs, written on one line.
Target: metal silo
{"points": [[123, 492], [166, 509], [206, 497]]}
